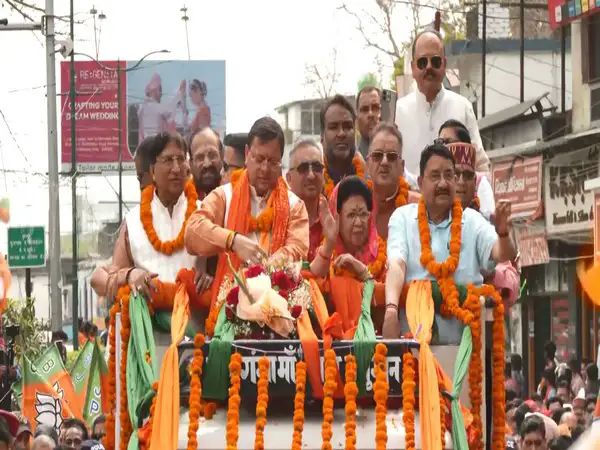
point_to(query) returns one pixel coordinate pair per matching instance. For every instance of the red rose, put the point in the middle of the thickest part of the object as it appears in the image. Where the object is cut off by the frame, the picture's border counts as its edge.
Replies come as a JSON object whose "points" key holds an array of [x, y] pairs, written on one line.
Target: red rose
{"points": [[254, 271], [296, 311], [281, 280], [233, 296], [284, 293]]}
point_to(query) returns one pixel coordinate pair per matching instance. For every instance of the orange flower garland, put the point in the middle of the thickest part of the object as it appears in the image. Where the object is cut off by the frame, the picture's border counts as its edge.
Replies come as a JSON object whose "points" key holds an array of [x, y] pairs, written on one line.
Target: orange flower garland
{"points": [[195, 391], [299, 405], [123, 295], [233, 407], [442, 413], [168, 247], [402, 194], [498, 393], [475, 203], [381, 395], [448, 267], [261, 402], [109, 438], [408, 399], [359, 171], [264, 222], [328, 390], [350, 393], [472, 303]]}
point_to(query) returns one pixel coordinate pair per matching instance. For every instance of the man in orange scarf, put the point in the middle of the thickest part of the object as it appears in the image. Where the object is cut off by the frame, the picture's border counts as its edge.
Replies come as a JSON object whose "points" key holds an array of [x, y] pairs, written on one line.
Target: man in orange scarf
{"points": [[255, 215]]}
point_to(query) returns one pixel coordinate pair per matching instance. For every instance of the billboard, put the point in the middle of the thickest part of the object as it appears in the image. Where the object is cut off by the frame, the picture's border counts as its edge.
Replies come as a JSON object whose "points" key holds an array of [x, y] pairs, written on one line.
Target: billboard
{"points": [[156, 96], [562, 12]]}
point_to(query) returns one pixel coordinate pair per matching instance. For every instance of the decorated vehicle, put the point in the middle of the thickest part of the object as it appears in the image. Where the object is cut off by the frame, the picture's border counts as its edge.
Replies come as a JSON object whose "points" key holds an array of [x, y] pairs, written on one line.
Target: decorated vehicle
{"points": [[259, 382]]}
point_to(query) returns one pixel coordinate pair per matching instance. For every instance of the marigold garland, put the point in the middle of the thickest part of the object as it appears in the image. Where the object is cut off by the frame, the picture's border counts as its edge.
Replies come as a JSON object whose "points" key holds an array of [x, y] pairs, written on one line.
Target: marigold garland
{"points": [[109, 438], [167, 247], [264, 222], [475, 204], [402, 194], [195, 391], [359, 171], [408, 399], [350, 394], [498, 393], [125, 423], [233, 406], [299, 405], [380, 392], [262, 402], [441, 388], [448, 267], [328, 390], [476, 369]]}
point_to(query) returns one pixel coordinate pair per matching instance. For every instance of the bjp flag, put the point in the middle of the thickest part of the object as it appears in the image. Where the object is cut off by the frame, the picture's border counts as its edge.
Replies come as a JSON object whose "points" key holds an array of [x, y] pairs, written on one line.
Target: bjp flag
{"points": [[48, 393], [90, 381]]}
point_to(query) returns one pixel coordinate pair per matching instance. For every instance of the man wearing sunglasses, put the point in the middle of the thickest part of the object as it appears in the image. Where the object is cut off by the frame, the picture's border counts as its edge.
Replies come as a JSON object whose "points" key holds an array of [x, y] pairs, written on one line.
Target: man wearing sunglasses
{"points": [[420, 113], [305, 178], [385, 168]]}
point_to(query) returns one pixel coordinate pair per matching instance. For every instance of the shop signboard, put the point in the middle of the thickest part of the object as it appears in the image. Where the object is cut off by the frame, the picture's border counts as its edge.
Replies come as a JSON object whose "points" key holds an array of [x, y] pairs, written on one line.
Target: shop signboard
{"points": [[569, 207], [520, 183]]}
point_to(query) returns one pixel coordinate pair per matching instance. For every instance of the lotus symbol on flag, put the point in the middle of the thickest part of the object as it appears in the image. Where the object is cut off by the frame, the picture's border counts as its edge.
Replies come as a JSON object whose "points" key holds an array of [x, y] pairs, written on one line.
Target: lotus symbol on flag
{"points": [[49, 409]]}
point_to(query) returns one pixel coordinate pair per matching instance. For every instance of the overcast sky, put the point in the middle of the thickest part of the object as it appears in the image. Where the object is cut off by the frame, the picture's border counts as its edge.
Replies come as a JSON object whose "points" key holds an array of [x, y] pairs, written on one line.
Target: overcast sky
{"points": [[265, 43]]}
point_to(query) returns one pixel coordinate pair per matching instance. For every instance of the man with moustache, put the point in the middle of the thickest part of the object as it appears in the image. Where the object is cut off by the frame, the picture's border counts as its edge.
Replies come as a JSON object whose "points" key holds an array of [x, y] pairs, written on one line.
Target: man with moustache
{"points": [[368, 108], [482, 244], [206, 160], [420, 113], [385, 167], [234, 154], [338, 139], [305, 178], [475, 191]]}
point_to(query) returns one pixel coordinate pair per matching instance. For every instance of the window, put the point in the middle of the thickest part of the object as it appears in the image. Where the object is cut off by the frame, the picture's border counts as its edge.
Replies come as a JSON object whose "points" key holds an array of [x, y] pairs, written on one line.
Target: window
{"points": [[309, 121], [593, 46]]}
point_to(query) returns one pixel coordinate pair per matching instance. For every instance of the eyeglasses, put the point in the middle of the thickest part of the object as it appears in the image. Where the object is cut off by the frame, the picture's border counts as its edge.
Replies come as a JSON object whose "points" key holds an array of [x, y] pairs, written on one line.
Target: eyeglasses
{"points": [[172, 160], [271, 163], [227, 167], [436, 62], [304, 167], [467, 175], [362, 216], [377, 156]]}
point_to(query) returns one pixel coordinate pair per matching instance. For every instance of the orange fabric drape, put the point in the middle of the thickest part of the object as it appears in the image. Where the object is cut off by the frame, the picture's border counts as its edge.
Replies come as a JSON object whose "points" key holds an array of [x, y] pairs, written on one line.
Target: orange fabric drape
{"points": [[166, 416], [346, 294], [238, 220], [420, 313]]}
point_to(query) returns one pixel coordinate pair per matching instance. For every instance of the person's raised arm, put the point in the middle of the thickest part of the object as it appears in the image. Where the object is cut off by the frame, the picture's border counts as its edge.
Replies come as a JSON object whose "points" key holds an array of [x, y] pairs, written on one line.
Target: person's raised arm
{"points": [[504, 248], [320, 265]]}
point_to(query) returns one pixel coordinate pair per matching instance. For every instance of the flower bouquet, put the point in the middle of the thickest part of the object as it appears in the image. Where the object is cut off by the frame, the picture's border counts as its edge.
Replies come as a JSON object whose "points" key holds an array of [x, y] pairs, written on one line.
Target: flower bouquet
{"points": [[264, 300]]}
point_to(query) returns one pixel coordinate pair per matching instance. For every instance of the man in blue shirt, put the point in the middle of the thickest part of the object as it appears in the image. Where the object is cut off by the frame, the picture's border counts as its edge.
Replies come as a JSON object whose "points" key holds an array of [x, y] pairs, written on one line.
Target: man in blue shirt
{"points": [[482, 244]]}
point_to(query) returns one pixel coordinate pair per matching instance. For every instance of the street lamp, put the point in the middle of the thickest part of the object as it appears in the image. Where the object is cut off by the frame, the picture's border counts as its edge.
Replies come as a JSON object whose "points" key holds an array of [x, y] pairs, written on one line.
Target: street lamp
{"points": [[118, 71]]}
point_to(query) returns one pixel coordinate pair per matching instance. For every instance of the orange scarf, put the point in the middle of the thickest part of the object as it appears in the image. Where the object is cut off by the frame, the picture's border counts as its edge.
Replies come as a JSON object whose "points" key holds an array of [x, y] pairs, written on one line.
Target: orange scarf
{"points": [[238, 220]]}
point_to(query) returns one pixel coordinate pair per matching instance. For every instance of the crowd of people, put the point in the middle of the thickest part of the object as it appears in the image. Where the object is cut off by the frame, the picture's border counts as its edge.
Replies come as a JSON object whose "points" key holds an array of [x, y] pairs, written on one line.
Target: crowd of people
{"points": [[559, 411], [72, 434]]}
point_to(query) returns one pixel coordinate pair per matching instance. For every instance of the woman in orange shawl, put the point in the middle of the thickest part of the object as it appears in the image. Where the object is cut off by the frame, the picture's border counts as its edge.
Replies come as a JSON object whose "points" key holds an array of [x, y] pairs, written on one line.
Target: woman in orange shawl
{"points": [[357, 255]]}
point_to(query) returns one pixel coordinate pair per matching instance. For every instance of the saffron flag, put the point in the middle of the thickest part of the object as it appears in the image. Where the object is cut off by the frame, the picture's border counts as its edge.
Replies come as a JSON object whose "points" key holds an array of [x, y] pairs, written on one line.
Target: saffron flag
{"points": [[48, 393], [89, 373]]}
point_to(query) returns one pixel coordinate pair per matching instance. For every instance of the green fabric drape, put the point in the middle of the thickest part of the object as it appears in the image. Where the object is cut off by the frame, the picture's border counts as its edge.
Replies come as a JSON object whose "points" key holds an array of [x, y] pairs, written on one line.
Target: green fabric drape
{"points": [[461, 367], [364, 337], [215, 384], [142, 366], [162, 320]]}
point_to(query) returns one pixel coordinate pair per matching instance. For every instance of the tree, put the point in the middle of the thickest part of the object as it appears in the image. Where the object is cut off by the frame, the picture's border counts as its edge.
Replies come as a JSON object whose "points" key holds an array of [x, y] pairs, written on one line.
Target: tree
{"points": [[322, 78], [31, 340], [368, 79]]}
